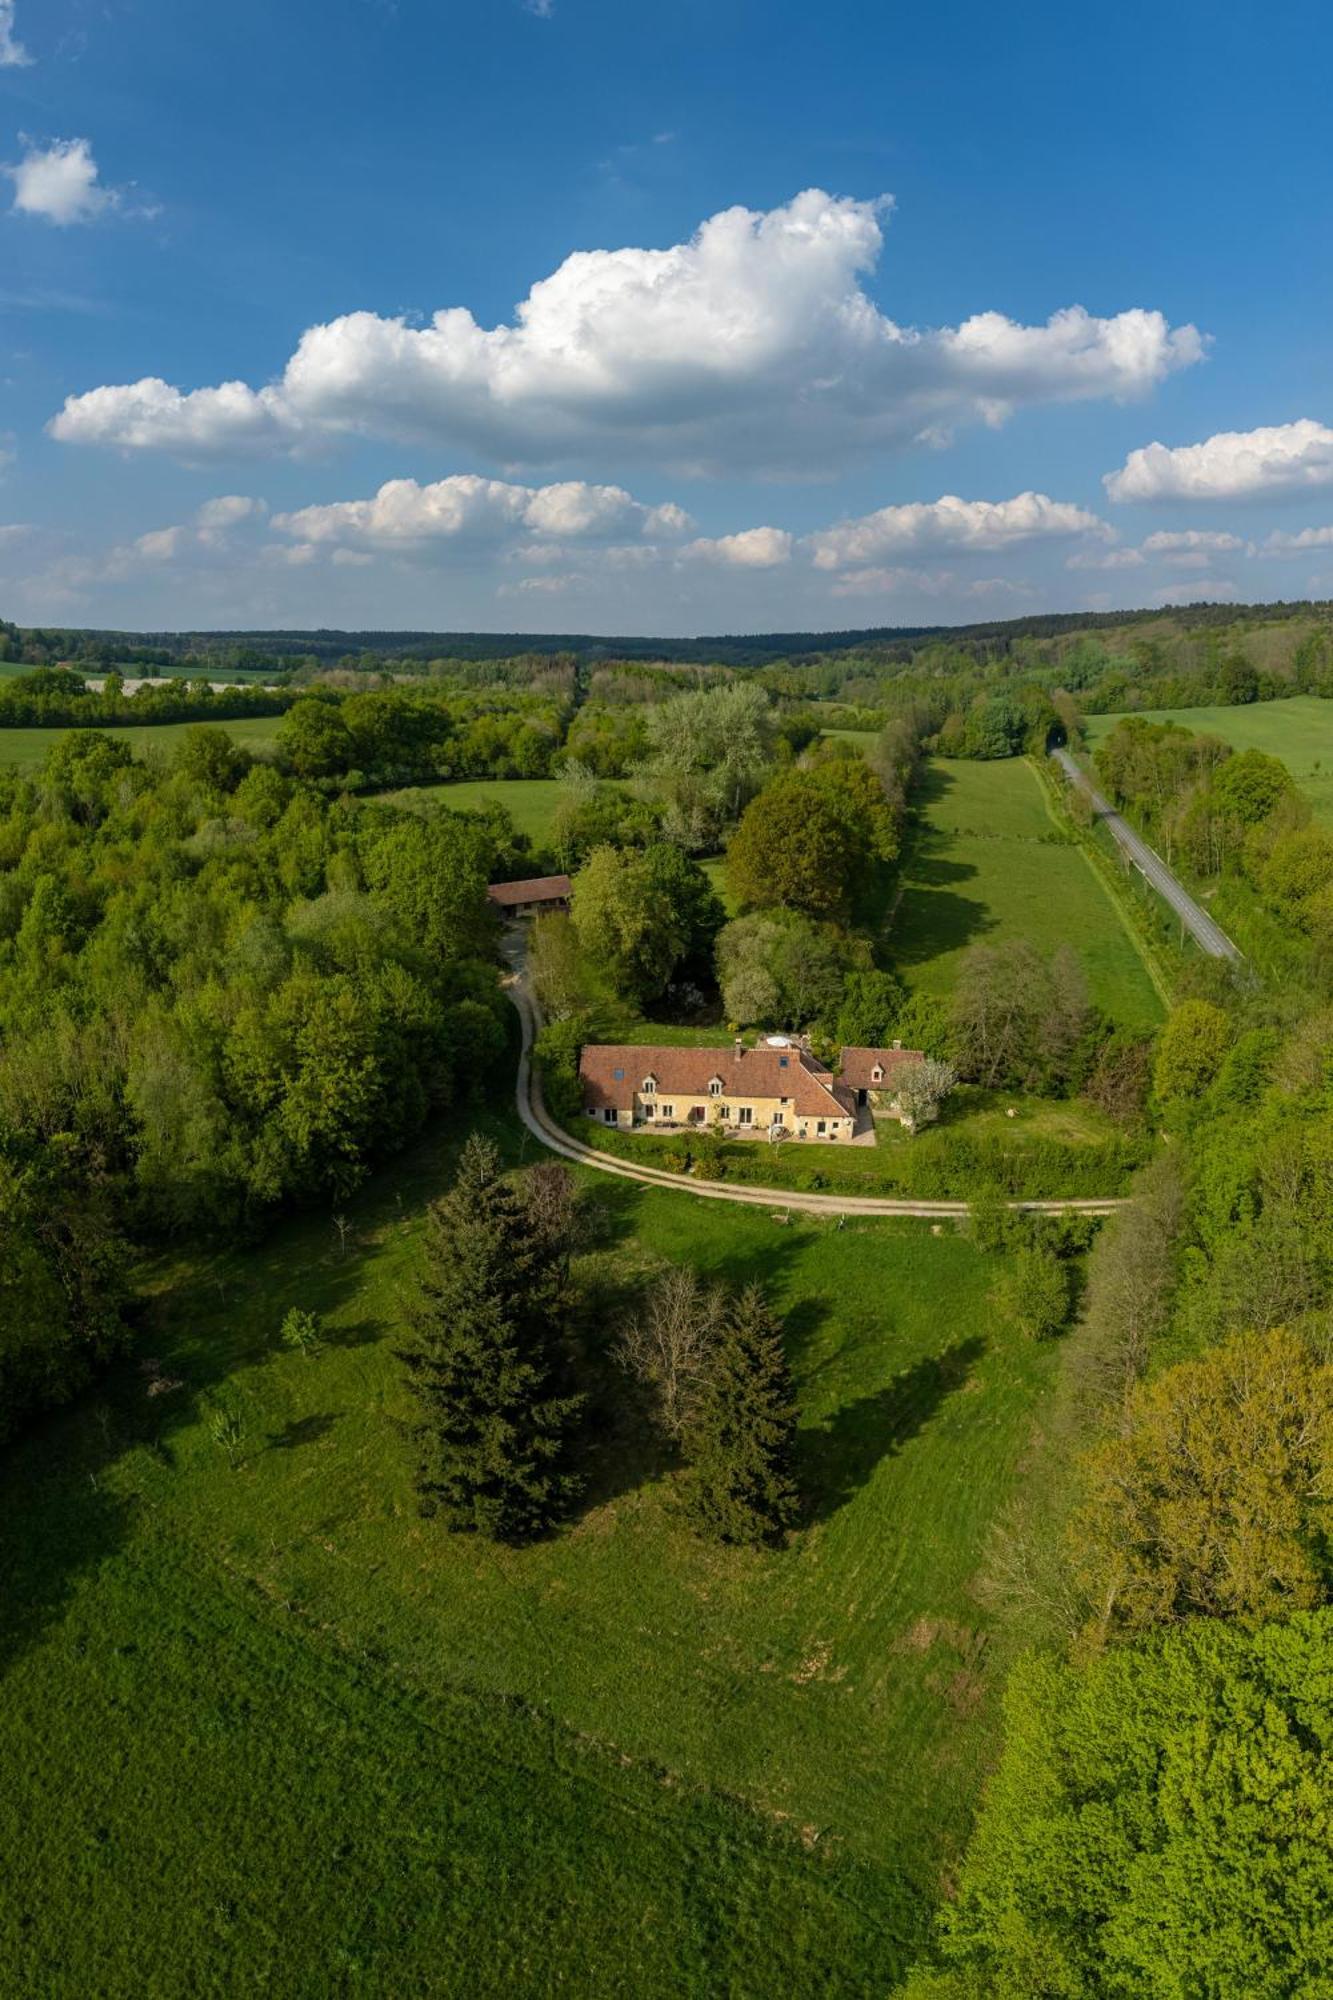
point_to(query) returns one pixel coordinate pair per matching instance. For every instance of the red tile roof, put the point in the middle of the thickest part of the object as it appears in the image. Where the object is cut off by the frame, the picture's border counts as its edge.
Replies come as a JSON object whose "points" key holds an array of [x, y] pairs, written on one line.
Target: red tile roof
{"points": [[857, 1065], [538, 889], [792, 1073]]}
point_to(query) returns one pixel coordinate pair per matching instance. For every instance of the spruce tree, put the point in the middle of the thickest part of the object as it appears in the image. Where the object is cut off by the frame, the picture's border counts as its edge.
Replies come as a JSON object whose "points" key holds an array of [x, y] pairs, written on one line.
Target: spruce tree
{"points": [[741, 1441], [485, 1362]]}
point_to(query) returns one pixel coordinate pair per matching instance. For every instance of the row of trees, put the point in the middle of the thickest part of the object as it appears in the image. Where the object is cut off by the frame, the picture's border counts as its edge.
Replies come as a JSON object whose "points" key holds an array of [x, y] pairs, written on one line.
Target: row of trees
{"points": [[53, 697], [491, 1360], [1159, 1820]]}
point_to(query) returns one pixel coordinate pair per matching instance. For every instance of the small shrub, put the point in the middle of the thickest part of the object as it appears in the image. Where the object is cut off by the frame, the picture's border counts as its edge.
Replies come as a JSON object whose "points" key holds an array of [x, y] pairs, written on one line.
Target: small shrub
{"points": [[226, 1427], [301, 1332]]}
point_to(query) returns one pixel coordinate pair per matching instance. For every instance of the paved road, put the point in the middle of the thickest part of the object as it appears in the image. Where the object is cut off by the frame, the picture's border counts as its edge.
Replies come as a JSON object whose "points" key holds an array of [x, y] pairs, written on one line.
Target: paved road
{"points": [[543, 1128], [1210, 937]]}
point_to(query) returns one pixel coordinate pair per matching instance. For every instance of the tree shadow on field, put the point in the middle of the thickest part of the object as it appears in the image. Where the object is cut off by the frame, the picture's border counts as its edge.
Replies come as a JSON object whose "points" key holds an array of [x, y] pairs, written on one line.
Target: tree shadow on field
{"points": [[302, 1430], [836, 1459]]}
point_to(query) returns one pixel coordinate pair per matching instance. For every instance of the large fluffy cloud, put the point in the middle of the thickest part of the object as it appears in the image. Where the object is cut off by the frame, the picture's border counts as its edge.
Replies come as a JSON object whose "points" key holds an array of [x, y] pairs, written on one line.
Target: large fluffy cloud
{"points": [[1232, 465], [405, 515], [59, 183], [949, 525], [752, 347]]}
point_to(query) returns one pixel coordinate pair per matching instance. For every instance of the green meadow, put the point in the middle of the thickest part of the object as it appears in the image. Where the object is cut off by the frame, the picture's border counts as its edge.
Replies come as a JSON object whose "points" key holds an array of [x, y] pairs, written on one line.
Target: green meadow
{"points": [[1299, 731], [28, 748], [986, 862], [267, 1729]]}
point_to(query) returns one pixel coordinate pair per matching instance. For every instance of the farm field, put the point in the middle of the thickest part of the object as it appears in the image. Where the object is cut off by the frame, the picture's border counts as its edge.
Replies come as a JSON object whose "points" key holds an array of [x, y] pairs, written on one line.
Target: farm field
{"points": [[985, 864], [530, 802], [1299, 731], [267, 1727], [28, 747]]}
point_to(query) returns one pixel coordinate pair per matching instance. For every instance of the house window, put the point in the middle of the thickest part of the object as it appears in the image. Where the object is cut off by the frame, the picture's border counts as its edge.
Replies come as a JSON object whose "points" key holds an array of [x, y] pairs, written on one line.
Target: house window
{"points": [[820, 1126], [745, 1116], [609, 1114], [649, 1109], [715, 1087], [648, 1086], [877, 1074], [668, 1110], [782, 1062], [776, 1118], [619, 1075]]}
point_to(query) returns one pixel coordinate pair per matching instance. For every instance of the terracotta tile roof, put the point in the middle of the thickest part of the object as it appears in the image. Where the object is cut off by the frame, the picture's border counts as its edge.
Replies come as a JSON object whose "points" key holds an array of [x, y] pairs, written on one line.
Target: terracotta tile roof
{"points": [[538, 889], [857, 1065], [612, 1073]]}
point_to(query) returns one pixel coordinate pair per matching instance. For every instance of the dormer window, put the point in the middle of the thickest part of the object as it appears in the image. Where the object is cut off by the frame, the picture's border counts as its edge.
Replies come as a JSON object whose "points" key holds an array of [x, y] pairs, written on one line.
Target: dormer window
{"points": [[782, 1062], [649, 1086], [715, 1087], [877, 1073]]}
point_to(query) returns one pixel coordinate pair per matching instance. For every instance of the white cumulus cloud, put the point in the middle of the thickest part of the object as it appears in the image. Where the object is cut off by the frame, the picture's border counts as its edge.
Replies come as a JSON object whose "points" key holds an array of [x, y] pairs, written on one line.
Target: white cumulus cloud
{"points": [[13, 55], [1298, 544], [949, 525], [1191, 541], [1232, 465], [752, 347], [227, 510], [404, 514], [751, 548], [59, 183], [1105, 559]]}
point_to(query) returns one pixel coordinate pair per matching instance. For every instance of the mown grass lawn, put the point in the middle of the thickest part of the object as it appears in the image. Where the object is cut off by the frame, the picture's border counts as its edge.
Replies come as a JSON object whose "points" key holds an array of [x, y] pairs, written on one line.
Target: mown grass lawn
{"points": [[265, 1729], [985, 863], [28, 748], [1027, 1147], [1299, 731]]}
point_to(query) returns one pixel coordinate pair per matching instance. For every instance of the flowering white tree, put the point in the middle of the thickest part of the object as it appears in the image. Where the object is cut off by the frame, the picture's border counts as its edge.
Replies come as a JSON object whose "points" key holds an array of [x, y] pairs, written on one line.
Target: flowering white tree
{"points": [[921, 1089]]}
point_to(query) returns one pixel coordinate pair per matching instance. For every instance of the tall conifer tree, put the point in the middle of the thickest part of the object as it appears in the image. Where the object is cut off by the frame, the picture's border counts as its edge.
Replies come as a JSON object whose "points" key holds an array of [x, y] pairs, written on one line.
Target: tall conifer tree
{"points": [[741, 1442], [485, 1362]]}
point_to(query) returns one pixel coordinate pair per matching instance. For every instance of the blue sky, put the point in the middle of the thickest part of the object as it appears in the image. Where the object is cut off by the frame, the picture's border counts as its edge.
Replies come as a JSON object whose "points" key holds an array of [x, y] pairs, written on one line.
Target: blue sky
{"points": [[801, 275]]}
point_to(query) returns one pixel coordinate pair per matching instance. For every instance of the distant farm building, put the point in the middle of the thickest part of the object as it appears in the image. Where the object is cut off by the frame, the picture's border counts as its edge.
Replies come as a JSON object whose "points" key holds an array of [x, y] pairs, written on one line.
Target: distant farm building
{"points": [[527, 899]]}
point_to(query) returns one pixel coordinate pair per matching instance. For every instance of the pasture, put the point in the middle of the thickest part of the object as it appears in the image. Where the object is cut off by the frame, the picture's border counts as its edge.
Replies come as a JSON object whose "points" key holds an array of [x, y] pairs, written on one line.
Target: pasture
{"points": [[530, 802], [1298, 731], [28, 748], [986, 862], [268, 1729]]}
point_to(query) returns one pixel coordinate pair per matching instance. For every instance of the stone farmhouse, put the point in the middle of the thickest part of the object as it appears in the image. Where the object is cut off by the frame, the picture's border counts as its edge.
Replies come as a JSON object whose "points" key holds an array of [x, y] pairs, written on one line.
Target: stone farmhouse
{"points": [[750, 1092]]}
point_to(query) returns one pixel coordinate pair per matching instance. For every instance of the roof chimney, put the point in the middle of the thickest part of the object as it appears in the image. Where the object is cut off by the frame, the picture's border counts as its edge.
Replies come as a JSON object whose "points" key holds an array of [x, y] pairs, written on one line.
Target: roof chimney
{"points": [[740, 1047], [897, 1043]]}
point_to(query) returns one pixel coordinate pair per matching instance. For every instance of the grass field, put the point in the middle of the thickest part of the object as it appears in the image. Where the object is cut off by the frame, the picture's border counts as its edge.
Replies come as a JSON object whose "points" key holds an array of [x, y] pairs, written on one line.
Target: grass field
{"points": [[530, 802], [1299, 731], [29, 747], [986, 863], [265, 1729]]}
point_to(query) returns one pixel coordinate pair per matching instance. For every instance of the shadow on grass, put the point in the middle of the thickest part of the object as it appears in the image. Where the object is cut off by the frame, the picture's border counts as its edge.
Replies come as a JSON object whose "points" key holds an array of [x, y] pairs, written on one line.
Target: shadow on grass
{"points": [[302, 1430], [835, 1460]]}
